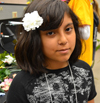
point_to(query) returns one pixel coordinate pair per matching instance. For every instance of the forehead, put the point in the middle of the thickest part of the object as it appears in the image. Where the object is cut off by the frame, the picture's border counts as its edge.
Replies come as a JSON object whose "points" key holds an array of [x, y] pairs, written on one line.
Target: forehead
{"points": [[66, 20]]}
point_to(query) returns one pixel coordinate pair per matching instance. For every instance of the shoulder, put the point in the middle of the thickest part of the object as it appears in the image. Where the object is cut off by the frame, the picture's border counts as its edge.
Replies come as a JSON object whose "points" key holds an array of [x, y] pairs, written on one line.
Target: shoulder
{"points": [[82, 64], [21, 80], [82, 67], [17, 88], [23, 75]]}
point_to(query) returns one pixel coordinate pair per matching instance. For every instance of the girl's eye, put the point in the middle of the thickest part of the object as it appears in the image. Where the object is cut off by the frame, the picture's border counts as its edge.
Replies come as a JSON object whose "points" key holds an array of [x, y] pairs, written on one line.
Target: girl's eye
{"points": [[69, 29], [50, 33]]}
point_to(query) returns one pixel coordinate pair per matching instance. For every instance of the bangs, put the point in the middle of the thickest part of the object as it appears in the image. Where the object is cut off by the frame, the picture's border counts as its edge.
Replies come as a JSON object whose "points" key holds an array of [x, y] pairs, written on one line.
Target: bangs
{"points": [[53, 15]]}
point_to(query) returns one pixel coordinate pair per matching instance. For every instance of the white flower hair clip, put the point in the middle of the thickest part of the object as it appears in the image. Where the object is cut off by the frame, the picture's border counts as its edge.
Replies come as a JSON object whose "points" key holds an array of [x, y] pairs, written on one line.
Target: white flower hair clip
{"points": [[31, 21]]}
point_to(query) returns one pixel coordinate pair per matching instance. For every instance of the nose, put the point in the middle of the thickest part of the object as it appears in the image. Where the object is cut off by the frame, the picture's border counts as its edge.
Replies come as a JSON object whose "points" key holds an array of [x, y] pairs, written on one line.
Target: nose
{"points": [[62, 38]]}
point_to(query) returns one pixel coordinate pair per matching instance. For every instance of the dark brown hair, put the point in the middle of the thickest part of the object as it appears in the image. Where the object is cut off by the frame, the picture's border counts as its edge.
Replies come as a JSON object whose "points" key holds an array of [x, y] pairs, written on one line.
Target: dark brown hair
{"points": [[28, 51]]}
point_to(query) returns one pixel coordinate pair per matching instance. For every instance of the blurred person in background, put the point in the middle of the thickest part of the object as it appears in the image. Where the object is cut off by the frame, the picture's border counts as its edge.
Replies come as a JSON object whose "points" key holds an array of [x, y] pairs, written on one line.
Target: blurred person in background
{"points": [[96, 27], [84, 10]]}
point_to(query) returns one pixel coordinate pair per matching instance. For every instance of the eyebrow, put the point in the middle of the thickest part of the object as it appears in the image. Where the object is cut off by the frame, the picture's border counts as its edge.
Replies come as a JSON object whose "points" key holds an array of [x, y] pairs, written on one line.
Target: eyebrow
{"points": [[69, 24], [55, 29]]}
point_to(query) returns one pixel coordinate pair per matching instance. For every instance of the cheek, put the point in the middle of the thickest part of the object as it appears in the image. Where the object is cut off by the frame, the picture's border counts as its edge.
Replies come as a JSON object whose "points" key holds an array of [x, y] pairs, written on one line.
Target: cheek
{"points": [[47, 46], [73, 40]]}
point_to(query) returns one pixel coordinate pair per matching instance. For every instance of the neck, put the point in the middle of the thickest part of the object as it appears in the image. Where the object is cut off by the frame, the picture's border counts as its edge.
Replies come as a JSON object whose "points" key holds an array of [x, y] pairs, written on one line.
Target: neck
{"points": [[55, 66]]}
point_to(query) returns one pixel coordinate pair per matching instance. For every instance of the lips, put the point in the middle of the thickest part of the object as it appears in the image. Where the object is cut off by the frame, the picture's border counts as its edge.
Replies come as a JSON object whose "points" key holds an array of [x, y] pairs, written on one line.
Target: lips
{"points": [[63, 50]]}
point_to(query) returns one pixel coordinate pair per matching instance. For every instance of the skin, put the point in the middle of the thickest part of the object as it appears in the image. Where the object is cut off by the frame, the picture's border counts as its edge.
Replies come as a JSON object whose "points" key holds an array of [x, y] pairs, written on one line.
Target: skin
{"points": [[92, 101], [58, 44]]}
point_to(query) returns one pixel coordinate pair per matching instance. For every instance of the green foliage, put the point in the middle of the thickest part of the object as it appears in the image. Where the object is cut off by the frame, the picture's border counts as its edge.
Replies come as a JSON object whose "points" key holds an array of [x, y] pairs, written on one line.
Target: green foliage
{"points": [[8, 66], [98, 47], [4, 72], [3, 57], [1, 63], [1, 90], [4, 66]]}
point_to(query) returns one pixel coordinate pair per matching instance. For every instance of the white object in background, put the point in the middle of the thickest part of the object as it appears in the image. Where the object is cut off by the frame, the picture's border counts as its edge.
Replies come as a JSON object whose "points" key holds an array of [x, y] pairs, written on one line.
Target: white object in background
{"points": [[84, 32]]}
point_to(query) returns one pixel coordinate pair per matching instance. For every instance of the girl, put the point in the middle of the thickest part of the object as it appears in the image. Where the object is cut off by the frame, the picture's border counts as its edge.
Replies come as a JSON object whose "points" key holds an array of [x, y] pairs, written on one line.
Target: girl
{"points": [[47, 51]]}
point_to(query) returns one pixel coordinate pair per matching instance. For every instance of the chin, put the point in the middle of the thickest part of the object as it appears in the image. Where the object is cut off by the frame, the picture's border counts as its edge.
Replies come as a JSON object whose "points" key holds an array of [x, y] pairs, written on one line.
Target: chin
{"points": [[64, 60]]}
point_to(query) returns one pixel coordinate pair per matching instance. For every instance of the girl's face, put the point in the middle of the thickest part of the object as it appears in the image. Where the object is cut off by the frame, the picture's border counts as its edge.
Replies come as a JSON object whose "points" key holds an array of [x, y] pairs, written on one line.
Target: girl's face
{"points": [[58, 44]]}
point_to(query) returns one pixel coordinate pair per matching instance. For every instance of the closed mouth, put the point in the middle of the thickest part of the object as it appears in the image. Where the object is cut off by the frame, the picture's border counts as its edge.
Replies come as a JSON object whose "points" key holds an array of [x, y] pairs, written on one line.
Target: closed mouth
{"points": [[63, 49]]}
